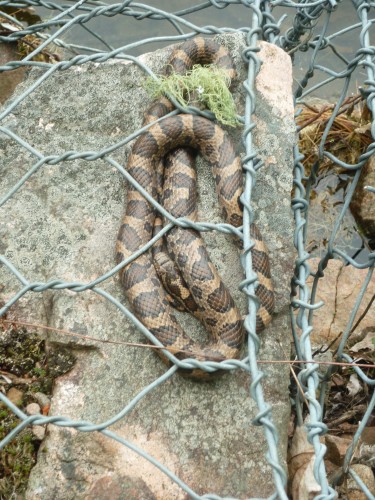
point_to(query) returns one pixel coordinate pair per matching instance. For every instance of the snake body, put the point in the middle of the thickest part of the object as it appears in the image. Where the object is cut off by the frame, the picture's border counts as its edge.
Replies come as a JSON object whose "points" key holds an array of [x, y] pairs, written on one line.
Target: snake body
{"points": [[162, 162]]}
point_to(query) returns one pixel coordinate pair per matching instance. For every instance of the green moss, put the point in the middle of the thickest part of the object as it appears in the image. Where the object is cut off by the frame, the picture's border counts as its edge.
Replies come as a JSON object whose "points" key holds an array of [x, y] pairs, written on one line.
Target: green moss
{"points": [[20, 351], [23, 353], [39, 372], [17, 458], [206, 86]]}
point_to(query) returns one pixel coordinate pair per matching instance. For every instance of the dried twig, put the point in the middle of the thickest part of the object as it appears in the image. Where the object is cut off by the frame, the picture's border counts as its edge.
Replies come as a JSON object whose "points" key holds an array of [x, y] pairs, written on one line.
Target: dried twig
{"points": [[151, 346], [360, 409]]}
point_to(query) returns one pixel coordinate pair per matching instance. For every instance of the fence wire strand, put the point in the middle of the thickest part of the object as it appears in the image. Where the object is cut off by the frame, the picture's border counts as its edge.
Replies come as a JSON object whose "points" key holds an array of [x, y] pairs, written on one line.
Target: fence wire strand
{"points": [[307, 38]]}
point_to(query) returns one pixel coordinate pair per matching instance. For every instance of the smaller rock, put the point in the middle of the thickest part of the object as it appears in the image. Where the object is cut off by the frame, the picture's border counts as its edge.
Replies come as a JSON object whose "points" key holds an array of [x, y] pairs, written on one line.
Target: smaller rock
{"points": [[336, 448], [324, 357], [353, 490], [366, 452], [39, 432], [42, 399], [15, 396], [339, 289], [362, 204], [32, 409], [9, 79]]}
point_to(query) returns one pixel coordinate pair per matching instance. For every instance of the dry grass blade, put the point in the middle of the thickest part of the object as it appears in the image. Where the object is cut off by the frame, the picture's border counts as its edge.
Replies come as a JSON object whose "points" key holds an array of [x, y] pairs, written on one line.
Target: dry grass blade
{"points": [[348, 137]]}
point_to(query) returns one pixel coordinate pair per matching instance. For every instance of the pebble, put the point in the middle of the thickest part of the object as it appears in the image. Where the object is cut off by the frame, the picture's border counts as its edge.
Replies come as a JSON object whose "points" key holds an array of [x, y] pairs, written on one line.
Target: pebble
{"points": [[32, 409], [353, 490], [39, 432], [15, 395], [42, 399]]}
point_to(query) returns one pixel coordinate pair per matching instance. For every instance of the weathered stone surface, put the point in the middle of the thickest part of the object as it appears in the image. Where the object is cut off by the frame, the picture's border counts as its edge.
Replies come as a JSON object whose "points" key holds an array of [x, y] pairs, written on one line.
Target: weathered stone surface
{"points": [[339, 289], [63, 224], [336, 448], [362, 204], [351, 488], [9, 79]]}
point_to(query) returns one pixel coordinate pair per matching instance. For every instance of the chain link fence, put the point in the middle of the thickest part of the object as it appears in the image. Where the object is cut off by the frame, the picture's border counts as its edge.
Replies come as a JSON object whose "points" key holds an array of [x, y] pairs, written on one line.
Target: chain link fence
{"points": [[324, 61]]}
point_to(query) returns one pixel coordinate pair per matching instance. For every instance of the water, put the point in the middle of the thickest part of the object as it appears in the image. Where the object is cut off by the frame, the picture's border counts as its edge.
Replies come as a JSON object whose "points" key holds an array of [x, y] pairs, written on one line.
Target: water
{"points": [[121, 30]]}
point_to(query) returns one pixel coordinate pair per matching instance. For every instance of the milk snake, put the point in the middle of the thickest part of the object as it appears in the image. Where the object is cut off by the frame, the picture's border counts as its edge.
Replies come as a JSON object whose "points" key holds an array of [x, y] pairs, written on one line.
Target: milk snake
{"points": [[162, 162]]}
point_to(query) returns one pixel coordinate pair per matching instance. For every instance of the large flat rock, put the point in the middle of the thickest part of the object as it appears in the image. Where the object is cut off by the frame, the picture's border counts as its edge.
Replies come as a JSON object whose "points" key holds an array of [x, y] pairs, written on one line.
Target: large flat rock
{"points": [[63, 224]]}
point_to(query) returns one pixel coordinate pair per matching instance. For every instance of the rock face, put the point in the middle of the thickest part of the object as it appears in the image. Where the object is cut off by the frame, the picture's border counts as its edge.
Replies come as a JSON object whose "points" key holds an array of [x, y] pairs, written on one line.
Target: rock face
{"points": [[9, 79], [339, 289], [63, 224], [362, 204]]}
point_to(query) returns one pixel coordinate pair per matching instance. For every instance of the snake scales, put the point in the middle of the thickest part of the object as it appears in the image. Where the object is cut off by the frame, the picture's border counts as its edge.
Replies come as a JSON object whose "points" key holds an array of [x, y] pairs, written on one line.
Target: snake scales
{"points": [[162, 162]]}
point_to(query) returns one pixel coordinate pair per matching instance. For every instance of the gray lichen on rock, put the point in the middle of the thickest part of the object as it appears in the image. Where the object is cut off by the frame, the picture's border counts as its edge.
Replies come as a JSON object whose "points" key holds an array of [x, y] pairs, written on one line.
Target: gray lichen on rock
{"points": [[67, 221]]}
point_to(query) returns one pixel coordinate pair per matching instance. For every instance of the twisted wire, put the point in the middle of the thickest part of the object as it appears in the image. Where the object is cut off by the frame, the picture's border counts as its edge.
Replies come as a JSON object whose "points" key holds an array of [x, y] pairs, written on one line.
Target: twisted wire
{"points": [[309, 34]]}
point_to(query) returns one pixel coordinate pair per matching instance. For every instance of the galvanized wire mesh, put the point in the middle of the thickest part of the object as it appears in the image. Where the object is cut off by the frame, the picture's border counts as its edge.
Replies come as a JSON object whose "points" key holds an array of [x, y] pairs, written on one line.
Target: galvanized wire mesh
{"points": [[308, 40]]}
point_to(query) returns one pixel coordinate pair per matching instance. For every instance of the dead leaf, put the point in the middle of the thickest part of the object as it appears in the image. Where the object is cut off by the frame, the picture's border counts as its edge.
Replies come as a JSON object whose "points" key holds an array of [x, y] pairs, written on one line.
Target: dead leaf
{"points": [[300, 463], [354, 385], [367, 344]]}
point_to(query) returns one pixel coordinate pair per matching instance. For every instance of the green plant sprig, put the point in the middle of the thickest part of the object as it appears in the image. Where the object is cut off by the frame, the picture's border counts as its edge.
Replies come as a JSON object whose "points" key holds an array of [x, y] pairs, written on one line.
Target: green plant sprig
{"points": [[205, 85]]}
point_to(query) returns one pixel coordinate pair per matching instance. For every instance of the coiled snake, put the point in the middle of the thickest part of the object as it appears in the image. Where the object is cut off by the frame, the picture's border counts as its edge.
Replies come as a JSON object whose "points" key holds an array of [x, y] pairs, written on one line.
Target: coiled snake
{"points": [[194, 282]]}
